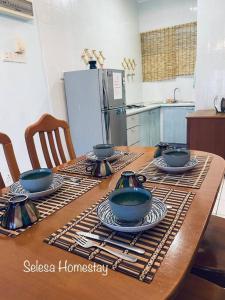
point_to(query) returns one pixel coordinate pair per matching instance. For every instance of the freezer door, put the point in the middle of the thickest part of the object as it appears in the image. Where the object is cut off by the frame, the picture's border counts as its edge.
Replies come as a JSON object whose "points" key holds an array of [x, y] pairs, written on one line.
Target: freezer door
{"points": [[113, 89], [115, 127]]}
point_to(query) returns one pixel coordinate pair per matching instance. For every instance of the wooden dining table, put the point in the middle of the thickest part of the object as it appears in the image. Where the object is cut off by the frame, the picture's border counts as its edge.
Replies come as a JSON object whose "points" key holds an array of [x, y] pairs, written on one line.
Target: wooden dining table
{"points": [[17, 284]]}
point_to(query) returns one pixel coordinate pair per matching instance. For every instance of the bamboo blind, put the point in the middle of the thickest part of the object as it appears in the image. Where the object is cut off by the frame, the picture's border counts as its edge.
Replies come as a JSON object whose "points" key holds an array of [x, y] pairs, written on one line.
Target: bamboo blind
{"points": [[169, 52]]}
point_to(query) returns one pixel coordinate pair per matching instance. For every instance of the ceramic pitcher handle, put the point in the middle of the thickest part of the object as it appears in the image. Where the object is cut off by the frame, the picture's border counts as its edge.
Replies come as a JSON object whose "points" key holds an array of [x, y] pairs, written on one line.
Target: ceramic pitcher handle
{"points": [[141, 178]]}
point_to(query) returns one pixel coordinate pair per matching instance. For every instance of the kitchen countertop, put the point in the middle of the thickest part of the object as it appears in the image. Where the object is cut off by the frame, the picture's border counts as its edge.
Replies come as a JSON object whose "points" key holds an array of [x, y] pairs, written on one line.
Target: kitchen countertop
{"points": [[147, 107]]}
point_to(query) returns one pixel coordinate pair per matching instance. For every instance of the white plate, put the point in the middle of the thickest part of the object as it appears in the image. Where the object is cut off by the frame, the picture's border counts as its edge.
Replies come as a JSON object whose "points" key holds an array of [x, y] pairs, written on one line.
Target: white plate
{"points": [[92, 157], [163, 166], [156, 215], [57, 182]]}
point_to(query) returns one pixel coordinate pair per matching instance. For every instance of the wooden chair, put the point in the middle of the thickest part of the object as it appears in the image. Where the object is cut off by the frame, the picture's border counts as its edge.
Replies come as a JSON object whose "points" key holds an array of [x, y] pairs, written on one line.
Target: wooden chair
{"points": [[210, 259], [196, 288], [45, 127], [10, 158]]}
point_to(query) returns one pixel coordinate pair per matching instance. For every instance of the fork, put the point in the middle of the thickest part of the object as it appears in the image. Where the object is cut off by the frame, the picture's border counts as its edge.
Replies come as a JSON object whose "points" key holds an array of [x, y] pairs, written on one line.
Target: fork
{"points": [[85, 243]]}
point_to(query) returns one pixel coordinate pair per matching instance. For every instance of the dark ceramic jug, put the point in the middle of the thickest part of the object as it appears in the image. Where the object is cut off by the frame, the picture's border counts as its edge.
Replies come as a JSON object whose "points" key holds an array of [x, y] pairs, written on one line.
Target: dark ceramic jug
{"points": [[19, 212], [160, 148], [130, 179], [100, 168]]}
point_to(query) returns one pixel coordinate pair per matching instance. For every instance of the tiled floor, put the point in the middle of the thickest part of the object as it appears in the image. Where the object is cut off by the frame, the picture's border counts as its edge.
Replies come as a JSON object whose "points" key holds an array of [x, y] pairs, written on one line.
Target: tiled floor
{"points": [[219, 208]]}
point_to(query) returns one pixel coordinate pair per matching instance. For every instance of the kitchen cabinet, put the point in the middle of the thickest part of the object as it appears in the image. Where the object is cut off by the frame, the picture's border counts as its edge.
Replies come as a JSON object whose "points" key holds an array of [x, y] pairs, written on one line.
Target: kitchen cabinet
{"points": [[164, 123], [133, 130], [150, 127], [205, 130], [154, 130], [174, 124]]}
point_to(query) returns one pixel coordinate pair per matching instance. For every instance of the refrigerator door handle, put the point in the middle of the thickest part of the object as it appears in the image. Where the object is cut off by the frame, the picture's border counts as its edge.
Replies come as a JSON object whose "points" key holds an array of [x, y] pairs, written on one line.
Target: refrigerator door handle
{"points": [[105, 94], [107, 125]]}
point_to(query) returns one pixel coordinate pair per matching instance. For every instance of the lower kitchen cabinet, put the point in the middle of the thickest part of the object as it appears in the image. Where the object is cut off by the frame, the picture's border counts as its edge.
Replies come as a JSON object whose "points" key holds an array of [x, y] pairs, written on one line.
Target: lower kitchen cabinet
{"points": [[150, 127], [133, 131], [144, 128], [133, 136], [174, 124], [154, 132], [166, 124]]}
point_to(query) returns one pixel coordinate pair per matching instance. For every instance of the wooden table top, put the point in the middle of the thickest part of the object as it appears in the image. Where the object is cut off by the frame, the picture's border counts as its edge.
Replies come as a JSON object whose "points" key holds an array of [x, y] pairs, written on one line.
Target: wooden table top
{"points": [[17, 284], [209, 114]]}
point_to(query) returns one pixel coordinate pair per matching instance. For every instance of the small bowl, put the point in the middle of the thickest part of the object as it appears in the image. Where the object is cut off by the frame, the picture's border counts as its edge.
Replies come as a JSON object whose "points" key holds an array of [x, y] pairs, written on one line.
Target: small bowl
{"points": [[103, 150], [176, 157], [130, 205], [36, 180]]}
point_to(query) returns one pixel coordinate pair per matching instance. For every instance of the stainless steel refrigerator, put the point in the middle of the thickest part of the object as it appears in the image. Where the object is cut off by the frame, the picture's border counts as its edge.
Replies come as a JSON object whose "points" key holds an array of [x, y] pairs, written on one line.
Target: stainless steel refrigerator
{"points": [[96, 107]]}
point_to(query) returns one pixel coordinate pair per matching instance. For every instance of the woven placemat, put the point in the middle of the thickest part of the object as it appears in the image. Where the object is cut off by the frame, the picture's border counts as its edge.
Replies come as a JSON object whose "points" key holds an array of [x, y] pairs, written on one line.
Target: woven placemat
{"points": [[50, 204], [80, 166], [191, 179], [155, 241]]}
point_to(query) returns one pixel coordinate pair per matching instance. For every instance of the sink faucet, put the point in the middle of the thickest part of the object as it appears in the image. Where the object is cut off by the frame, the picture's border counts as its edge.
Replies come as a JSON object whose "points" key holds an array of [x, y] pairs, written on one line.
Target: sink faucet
{"points": [[174, 94]]}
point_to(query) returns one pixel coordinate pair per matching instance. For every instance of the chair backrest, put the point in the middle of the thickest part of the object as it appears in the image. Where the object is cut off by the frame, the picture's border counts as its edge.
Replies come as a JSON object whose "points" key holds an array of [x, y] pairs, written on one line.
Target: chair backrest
{"points": [[10, 158], [45, 127]]}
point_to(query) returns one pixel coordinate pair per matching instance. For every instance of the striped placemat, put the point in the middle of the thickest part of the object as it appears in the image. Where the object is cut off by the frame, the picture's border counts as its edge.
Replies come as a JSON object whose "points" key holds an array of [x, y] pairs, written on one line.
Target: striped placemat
{"points": [[50, 204], [79, 167], [155, 241], [191, 179]]}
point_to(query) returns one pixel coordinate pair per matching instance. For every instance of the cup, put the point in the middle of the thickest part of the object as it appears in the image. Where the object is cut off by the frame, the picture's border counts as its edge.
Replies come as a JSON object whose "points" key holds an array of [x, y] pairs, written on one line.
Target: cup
{"points": [[19, 212], [130, 179], [130, 205], [100, 168]]}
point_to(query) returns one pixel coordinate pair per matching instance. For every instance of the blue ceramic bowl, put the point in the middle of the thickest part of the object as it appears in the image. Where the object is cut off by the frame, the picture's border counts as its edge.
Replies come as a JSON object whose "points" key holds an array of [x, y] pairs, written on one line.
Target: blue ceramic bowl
{"points": [[176, 157], [130, 205], [36, 180], [103, 150]]}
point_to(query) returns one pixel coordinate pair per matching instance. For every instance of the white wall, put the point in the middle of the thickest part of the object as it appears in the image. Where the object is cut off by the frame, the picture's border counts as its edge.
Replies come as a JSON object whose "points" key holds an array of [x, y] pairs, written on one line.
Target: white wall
{"points": [[68, 27], [23, 90], [210, 75], [156, 14], [55, 40]]}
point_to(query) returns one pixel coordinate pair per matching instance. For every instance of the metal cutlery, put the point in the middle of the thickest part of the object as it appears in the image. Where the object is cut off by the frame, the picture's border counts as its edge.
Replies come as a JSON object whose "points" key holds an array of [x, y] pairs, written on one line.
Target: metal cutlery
{"points": [[106, 240], [169, 206], [71, 179], [85, 243], [172, 178]]}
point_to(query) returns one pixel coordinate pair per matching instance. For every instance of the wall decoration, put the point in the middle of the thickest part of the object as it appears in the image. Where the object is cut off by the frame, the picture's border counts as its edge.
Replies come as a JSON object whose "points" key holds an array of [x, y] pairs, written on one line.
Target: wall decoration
{"points": [[129, 66], [169, 52], [18, 8], [18, 54], [88, 55]]}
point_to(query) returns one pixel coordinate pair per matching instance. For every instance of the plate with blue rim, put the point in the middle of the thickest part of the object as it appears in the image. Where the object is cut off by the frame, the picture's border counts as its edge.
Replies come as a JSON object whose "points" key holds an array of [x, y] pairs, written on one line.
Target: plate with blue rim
{"points": [[160, 163], [57, 182], [155, 216], [92, 157]]}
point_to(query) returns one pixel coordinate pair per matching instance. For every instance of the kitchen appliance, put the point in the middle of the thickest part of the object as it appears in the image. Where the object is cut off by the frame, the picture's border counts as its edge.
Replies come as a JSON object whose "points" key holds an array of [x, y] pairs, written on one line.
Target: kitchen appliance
{"points": [[130, 106], [219, 103], [96, 108]]}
